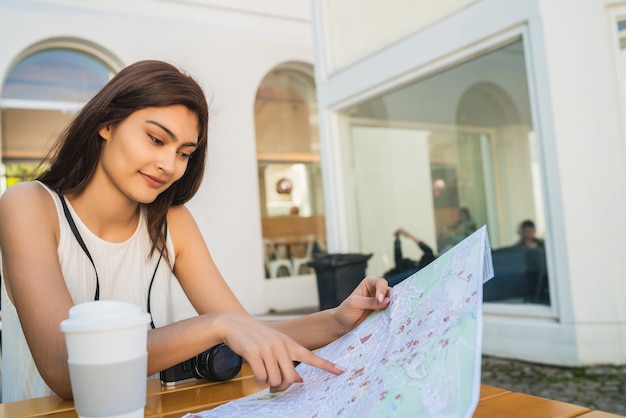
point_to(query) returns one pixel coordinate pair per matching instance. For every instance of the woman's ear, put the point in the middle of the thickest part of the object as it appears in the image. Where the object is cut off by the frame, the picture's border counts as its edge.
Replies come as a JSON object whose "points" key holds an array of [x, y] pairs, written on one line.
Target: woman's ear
{"points": [[105, 132]]}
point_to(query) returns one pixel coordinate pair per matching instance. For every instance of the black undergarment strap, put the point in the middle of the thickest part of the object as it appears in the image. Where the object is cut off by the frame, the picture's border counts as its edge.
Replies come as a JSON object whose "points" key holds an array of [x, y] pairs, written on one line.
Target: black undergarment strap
{"points": [[152, 280], [70, 220]]}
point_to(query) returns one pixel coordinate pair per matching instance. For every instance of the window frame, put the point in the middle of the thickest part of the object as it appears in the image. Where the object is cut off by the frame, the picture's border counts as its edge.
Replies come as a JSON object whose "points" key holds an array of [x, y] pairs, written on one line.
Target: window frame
{"points": [[372, 77]]}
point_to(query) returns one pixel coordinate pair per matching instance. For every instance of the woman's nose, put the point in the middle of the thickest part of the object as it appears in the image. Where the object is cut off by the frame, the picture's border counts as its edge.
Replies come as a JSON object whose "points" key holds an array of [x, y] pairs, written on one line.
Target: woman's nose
{"points": [[167, 161]]}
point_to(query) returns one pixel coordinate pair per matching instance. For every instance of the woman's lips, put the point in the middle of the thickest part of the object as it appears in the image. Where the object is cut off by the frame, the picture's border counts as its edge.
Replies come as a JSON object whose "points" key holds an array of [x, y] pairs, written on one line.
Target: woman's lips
{"points": [[153, 181]]}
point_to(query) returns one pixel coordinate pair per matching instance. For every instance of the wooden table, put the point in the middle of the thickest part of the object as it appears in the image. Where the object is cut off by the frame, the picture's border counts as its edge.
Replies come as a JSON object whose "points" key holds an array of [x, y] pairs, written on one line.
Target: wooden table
{"points": [[194, 397]]}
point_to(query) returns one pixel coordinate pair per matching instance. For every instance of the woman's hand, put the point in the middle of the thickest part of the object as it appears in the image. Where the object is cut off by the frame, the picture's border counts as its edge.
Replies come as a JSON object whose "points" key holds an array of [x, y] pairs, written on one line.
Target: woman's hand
{"points": [[372, 294], [271, 349], [270, 353]]}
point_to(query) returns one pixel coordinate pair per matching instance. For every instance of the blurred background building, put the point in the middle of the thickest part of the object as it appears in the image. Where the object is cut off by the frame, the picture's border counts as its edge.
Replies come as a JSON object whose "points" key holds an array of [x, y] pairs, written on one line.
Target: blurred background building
{"points": [[334, 122]]}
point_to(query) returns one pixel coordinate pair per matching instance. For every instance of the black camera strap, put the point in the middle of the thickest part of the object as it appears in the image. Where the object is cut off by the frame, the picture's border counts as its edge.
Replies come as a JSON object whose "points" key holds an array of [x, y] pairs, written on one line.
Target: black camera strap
{"points": [[79, 238]]}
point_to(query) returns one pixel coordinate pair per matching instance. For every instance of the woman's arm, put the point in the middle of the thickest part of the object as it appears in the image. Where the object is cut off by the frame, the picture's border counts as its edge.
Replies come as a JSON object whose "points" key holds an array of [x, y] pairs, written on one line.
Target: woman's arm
{"points": [[29, 234], [320, 328], [29, 237], [29, 231], [222, 318]]}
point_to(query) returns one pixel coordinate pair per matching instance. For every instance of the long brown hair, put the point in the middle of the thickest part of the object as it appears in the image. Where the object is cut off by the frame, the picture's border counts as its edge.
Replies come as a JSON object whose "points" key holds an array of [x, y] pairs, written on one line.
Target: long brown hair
{"points": [[73, 159]]}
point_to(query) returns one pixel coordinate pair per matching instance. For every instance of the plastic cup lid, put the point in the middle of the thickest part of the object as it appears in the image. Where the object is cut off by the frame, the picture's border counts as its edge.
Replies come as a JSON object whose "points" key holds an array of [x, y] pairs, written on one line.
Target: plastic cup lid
{"points": [[103, 315]]}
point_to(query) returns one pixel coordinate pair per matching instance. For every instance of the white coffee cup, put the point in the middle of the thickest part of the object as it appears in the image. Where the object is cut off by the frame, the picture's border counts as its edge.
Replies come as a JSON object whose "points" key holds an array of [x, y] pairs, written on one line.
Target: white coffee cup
{"points": [[108, 358]]}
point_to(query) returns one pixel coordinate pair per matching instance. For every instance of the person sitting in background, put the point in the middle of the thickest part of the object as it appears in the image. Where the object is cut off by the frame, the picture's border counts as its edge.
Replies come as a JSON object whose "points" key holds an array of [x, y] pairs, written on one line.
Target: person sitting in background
{"points": [[527, 233], [520, 270], [465, 225], [404, 267], [427, 253], [457, 232]]}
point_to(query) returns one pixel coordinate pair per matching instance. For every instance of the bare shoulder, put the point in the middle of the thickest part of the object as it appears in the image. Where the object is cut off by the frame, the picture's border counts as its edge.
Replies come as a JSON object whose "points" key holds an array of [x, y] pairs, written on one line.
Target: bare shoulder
{"points": [[179, 217], [182, 227], [175, 211], [28, 192], [26, 200]]}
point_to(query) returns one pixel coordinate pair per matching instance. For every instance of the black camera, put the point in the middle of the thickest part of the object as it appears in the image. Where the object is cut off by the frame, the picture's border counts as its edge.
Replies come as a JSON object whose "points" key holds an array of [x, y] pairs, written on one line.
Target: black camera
{"points": [[218, 363]]}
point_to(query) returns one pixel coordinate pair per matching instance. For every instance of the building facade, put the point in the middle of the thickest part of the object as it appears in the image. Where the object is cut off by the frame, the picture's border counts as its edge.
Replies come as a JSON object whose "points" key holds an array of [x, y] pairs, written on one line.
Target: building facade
{"points": [[421, 115], [55, 54], [506, 110]]}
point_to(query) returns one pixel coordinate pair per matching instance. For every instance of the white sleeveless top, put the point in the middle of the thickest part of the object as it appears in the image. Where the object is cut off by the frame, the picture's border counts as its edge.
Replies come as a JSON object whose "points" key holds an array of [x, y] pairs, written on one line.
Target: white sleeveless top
{"points": [[124, 270]]}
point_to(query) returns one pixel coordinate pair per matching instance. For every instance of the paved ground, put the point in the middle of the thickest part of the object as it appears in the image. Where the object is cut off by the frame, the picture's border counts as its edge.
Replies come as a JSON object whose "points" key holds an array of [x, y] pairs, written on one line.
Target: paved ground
{"points": [[598, 388]]}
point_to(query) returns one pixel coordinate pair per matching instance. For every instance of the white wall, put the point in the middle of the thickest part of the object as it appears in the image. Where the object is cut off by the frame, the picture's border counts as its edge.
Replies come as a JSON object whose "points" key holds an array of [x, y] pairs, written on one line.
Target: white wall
{"points": [[589, 159], [228, 46]]}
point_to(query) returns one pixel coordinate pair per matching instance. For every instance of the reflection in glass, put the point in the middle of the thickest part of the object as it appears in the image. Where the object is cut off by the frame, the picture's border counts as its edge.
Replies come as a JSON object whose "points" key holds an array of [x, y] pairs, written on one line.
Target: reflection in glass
{"points": [[444, 156], [287, 190], [290, 180]]}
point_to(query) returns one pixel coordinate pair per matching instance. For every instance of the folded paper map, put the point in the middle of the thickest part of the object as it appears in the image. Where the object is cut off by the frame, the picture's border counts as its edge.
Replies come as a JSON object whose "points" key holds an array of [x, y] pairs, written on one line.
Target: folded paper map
{"points": [[420, 357]]}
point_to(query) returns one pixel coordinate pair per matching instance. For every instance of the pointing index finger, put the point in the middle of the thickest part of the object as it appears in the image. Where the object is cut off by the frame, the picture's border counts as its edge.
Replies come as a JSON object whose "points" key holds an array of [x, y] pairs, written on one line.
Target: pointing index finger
{"points": [[316, 361]]}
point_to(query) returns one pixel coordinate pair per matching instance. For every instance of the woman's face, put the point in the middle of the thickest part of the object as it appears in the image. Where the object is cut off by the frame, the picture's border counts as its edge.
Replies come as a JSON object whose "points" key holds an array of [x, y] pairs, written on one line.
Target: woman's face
{"points": [[149, 150]]}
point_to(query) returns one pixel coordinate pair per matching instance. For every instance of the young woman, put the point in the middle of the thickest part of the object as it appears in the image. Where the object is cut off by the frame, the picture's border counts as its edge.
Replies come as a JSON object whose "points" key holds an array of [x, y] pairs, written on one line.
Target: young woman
{"points": [[121, 174]]}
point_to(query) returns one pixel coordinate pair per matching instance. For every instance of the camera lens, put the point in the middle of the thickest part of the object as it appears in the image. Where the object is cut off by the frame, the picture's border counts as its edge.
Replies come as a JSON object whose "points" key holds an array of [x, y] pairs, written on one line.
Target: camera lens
{"points": [[225, 364], [218, 363]]}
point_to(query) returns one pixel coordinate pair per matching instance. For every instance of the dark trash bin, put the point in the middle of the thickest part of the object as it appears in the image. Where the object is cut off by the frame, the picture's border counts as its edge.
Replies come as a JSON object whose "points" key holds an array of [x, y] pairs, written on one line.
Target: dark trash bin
{"points": [[337, 276]]}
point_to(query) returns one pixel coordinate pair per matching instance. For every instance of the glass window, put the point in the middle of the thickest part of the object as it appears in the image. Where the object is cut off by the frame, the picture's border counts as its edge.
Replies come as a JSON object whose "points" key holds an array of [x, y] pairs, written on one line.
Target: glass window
{"points": [[444, 156], [290, 181], [39, 98]]}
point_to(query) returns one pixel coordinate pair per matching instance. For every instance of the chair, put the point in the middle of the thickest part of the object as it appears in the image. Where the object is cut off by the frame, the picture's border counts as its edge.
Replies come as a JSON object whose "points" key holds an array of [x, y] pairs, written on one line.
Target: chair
{"points": [[519, 273], [276, 263], [300, 265]]}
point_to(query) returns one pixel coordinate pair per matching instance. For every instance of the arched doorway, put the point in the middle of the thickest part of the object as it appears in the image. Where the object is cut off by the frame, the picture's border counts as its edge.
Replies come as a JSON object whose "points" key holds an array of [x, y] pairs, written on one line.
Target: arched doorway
{"points": [[289, 172]]}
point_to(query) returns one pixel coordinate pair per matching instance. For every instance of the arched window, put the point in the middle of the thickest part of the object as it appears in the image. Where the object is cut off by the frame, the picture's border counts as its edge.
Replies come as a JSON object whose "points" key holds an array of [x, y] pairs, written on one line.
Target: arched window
{"points": [[39, 97], [290, 181]]}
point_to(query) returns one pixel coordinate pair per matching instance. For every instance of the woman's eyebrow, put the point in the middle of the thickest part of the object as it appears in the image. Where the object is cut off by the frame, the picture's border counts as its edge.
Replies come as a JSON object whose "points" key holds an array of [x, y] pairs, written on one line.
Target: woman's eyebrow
{"points": [[167, 131], [170, 133]]}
